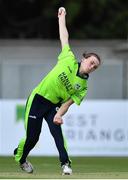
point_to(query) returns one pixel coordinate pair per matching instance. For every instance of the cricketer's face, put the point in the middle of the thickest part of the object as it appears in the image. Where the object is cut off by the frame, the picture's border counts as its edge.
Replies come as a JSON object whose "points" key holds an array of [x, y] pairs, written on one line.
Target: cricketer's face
{"points": [[90, 64]]}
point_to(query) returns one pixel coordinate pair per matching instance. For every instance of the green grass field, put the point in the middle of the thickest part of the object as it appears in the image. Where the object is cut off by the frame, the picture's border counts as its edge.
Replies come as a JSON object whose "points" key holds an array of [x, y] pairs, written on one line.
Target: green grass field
{"points": [[83, 168]]}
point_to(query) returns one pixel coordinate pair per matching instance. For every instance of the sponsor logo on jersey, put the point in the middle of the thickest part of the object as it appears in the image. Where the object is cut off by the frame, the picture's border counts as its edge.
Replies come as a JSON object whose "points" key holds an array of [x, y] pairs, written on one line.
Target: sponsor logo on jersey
{"points": [[33, 117], [65, 81]]}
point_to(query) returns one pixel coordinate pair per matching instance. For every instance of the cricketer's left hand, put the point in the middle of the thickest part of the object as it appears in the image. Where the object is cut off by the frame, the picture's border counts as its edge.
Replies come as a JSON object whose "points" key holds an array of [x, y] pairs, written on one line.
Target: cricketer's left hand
{"points": [[58, 120]]}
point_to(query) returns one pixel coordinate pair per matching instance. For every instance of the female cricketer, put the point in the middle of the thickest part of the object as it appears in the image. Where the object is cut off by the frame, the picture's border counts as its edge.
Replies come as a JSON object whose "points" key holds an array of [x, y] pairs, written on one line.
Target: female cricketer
{"points": [[64, 85]]}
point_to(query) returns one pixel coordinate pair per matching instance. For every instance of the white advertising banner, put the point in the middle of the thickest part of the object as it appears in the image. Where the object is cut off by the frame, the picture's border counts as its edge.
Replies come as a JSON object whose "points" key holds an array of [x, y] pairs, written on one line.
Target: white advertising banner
{"points": [[96, 128], [0, 126], [12, 129]]}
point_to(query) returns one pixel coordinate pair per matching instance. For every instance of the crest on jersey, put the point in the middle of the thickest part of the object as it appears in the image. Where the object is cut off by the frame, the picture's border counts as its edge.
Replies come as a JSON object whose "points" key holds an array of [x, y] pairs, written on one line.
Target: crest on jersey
{"points": [[77, 86]]}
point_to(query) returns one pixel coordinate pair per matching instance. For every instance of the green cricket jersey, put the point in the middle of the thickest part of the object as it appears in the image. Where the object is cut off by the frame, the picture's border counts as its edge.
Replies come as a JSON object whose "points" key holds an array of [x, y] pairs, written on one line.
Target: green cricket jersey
{"points": [[59, 85], [63, 83]]}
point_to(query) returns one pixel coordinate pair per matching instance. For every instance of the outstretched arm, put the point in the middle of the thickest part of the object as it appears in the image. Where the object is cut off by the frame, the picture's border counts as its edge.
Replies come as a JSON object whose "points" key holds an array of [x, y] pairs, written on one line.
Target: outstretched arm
{"points": [[62, 26]]}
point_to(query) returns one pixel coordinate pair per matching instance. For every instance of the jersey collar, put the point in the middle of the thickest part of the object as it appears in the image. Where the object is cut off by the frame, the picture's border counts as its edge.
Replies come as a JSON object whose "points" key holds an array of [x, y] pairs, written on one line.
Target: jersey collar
{"points": [[84, 76]]}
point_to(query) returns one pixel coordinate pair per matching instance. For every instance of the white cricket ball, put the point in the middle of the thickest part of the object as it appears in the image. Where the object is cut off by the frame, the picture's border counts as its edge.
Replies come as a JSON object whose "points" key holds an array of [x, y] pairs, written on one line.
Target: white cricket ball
{"points": [[62, 9]]}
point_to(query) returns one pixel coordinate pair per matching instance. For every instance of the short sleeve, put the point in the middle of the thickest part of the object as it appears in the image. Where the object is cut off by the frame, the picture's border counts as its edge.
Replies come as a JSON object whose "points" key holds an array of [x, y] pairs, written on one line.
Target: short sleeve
{"points": [[66, 54], [79, 96]]}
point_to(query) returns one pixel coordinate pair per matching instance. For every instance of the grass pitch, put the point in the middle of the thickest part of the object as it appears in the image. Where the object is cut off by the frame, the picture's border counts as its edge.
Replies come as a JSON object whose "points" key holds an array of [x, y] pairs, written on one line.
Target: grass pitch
{"points": [[83, 168]]}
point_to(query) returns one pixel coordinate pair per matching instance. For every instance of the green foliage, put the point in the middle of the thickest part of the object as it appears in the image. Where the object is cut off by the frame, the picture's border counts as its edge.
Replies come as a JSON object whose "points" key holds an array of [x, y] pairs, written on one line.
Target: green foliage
{"points": [[97, 19], [73, 9], [101, 19], [85, 18]]}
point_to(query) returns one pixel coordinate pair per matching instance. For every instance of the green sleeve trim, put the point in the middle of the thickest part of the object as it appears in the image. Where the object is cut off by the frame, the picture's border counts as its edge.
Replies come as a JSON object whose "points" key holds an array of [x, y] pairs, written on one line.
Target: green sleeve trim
{"points": [[66, 53], [78, 97], [76, 100]]}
